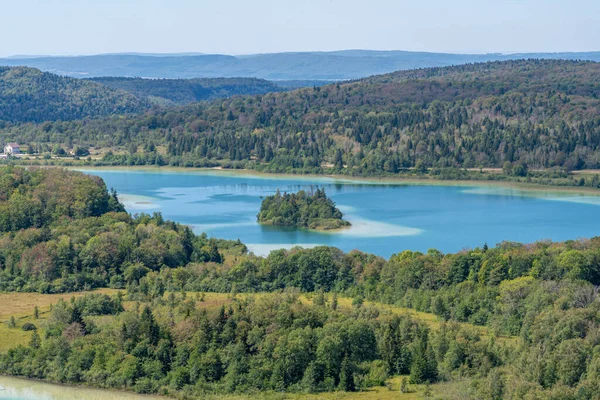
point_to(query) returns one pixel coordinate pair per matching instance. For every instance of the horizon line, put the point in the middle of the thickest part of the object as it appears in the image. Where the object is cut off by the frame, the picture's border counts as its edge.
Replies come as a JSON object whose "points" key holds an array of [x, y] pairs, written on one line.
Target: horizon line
{"points": [[197, 54]]}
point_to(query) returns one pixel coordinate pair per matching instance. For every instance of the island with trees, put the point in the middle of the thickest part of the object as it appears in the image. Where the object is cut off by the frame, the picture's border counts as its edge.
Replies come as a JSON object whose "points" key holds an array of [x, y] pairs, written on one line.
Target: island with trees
{"points": [[312, 210]]}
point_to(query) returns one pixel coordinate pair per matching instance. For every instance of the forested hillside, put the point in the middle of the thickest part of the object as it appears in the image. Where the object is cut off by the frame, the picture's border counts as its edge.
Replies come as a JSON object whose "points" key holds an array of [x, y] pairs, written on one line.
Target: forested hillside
{"points": [[535, 113], [29, 95], [185, 91], [515, 321]]}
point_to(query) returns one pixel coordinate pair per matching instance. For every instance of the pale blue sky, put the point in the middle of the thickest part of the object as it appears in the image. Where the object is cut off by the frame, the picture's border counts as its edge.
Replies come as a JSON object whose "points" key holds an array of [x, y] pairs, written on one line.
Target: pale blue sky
{"points": [[255, 26]]}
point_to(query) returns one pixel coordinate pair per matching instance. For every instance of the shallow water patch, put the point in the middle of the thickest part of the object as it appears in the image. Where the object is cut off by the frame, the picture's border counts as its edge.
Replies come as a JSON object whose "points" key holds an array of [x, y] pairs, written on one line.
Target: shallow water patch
{"points": [[137, 202]]}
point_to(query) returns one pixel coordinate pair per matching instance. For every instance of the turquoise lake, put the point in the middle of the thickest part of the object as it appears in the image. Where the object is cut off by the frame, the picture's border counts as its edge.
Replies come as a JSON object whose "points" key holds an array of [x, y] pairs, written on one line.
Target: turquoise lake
{"points": [[386, 218]]}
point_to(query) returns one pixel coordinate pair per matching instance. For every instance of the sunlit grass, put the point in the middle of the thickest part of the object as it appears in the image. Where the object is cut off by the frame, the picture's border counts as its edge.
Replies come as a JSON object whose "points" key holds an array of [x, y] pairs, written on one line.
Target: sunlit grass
{"points": [[444, 390], [21, 306]]}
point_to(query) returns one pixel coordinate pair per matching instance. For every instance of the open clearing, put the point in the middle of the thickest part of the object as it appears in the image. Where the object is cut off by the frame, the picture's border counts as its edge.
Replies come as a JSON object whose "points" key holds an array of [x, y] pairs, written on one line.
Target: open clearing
{"points": [[21, 306]]}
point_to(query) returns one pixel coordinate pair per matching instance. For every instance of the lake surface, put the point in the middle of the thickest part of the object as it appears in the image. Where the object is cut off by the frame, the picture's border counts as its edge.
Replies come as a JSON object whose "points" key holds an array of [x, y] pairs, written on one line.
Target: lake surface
{"points": [[24, 389], [386, 218]]}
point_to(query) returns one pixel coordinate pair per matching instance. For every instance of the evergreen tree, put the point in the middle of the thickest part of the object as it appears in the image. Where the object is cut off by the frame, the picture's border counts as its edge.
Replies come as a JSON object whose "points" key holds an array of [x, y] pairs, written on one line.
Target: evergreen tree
{"points": [[424, 364], [334, 301], [338, 161], [310, 380], [35, 342], [149, 326], [347, 376], [320, 298]]}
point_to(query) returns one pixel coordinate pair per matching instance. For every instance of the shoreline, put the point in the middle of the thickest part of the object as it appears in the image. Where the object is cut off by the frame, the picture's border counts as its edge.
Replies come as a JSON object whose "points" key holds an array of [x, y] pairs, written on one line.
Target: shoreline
{"points": [[345, 179], [320, 230], [45, 387]]}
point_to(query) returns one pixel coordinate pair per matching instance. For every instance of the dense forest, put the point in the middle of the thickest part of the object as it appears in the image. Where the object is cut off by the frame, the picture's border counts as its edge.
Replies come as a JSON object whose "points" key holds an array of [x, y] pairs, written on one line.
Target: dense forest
{"points": [[312, 210], [515, 321], [63, 231], [169, 92], [537, 114], [29, 95]]}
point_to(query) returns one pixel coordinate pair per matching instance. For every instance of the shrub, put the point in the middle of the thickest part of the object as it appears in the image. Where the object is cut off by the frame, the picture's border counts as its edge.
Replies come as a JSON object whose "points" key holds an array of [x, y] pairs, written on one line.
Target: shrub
{"points": [[28, 326]]}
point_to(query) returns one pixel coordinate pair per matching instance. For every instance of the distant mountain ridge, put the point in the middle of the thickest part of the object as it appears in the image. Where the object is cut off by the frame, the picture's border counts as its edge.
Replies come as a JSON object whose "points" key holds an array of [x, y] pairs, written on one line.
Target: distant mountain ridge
{"points": [[334, 65]]}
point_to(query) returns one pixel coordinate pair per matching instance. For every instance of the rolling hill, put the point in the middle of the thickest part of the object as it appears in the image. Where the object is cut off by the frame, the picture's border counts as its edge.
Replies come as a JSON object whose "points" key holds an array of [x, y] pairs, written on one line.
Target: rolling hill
{"points": [[536, 113], [185, 91], [335, 65], [29, 95]]}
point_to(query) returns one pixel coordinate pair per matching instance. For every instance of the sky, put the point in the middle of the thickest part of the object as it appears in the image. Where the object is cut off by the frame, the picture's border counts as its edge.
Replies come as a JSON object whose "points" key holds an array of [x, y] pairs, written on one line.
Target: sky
{"points": [[76, 27]]}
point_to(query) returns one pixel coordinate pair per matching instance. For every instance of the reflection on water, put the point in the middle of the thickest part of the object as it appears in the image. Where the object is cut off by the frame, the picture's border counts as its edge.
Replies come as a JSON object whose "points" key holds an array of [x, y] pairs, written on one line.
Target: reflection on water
{"points": [[24, 389], [137, 203], [539, 194]]}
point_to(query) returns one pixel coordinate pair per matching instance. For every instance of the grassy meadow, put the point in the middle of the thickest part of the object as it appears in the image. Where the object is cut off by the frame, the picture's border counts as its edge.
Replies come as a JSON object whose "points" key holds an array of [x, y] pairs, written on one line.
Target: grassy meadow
{"points": [[21, 306]]}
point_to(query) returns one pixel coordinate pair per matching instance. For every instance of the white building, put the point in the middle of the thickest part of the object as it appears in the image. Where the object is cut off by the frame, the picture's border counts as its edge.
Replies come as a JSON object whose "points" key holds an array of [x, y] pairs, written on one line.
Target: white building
{"points": [[12, 149]]}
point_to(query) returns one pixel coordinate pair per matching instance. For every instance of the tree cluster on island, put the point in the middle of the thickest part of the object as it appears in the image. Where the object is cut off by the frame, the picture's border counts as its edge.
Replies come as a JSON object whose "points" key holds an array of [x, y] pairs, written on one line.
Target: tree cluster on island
{"points": [[514, 321], [312, 210]]}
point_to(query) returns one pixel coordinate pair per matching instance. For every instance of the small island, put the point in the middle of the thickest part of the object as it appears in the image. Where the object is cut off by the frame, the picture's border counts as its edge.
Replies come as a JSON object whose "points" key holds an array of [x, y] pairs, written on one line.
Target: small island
{"points": [[312, 210]]}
